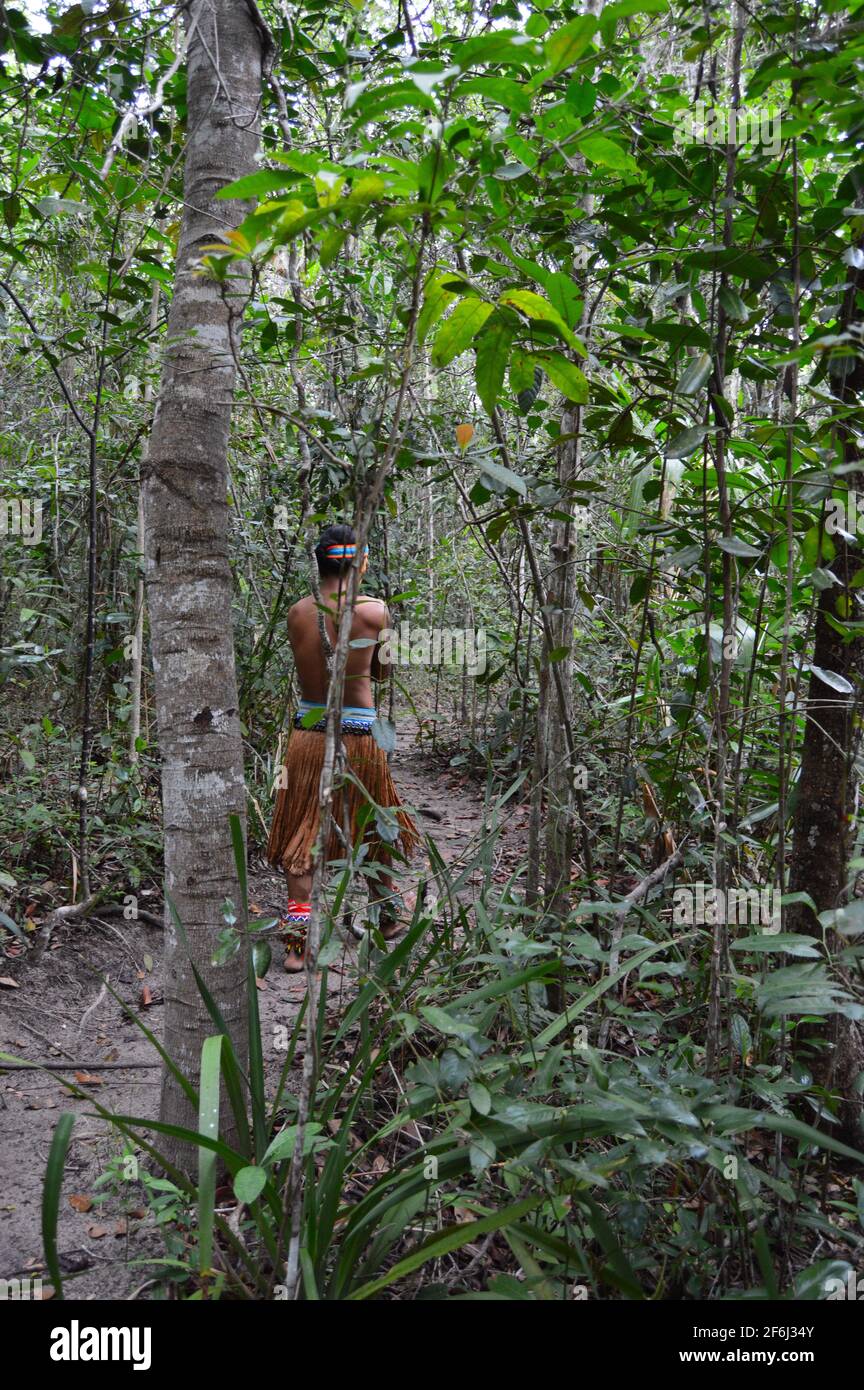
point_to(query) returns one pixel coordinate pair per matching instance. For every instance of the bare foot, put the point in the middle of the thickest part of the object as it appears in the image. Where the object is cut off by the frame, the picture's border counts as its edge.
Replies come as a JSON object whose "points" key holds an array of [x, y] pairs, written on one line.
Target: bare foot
{"points": [[401, 923], [295, 961]]}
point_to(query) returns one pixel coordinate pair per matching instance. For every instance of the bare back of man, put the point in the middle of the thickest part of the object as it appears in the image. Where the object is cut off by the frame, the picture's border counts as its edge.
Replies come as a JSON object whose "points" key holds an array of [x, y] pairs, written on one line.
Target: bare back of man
{"points": [[363, 666]]}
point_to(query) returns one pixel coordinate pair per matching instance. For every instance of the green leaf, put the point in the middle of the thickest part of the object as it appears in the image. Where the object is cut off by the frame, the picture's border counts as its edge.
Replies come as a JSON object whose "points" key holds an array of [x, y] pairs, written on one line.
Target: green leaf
{"points": [[11, 210], [331, 244], [790, 943], [813, 552], [457, 332], [479, 1098], [565, 296], [499, 90], [256, 185], [695, 375], [623, 9], [449, 1239], [599, 149], [505, 46], [493, 351], [249, 1184], [282, 1146], [685, 442], [535, 307], [733, 305], [384, 734], [208, 1125], [733, 545], [505, 475], [565, 46], [522, 371], [51, 1190], [445, 1023], [565, 375], [313, 717], [796, 1129], [594, 992]]}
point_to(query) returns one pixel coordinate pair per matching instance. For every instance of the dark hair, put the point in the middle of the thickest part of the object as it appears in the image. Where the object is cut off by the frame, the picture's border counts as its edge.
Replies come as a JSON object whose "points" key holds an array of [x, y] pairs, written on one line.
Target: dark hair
{"points": [[334, 535]]}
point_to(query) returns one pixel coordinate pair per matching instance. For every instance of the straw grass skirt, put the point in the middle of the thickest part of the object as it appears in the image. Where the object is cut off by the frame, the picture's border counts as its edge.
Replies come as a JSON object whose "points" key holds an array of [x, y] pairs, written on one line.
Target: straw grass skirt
{"points": [[294, 831]]}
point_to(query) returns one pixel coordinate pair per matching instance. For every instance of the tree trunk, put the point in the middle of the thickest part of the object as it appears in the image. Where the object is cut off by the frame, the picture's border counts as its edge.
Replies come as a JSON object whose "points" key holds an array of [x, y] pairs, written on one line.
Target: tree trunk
{"points": [[823, 819], [138, 640], [562, 599], [189, 591]]}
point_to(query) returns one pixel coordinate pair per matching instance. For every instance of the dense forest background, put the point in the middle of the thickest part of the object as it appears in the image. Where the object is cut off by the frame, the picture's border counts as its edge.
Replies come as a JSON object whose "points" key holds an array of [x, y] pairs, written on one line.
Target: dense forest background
{"points": [[562, 306]]}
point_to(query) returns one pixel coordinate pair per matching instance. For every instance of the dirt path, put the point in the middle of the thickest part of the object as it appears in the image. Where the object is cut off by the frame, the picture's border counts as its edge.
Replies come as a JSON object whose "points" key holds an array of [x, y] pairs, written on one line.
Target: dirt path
{"points": [[61, 1010]]}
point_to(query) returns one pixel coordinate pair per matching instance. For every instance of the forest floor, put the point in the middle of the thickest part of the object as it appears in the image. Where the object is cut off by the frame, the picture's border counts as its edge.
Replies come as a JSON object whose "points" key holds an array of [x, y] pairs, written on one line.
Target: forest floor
{"points": [[57, 1008]]}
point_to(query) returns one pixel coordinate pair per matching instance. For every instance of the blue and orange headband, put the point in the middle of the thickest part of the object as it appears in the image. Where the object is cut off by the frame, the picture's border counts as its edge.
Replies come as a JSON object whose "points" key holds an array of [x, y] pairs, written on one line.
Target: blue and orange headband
{"points": [[344, 552]]}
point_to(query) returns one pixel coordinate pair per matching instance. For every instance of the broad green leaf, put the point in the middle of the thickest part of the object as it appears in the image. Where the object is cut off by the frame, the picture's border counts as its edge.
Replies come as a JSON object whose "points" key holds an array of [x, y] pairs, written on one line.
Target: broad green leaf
{"points": [[817, 547], [257, 185], [493, 350], [565, 375], [733, 545], [535, 307], [565, 296], [733, 305], [249, 1184], [565, 46], [446, 1023], [522, 369], [790, 943], [507, 45], [458, 331], [499, 90], [435, 300], [505, 475], [695, 375], [685, 442], [599, 149]]}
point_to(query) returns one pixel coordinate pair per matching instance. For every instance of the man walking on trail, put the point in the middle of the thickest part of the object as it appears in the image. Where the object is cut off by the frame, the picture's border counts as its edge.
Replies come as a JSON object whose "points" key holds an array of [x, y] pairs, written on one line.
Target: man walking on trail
{"points": [[294, 832]]}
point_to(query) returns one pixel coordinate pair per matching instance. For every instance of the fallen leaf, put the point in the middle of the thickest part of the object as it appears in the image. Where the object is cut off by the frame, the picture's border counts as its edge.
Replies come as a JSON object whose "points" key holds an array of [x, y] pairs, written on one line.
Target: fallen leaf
{"points": [[8, 983], [84, 1078], [97, 1232], [146, 997], [80, 1202]]}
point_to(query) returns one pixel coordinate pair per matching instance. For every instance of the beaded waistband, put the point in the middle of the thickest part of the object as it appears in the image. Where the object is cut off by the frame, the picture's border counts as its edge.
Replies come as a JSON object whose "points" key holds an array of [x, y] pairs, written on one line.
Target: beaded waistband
{"points": [[356, 719]]}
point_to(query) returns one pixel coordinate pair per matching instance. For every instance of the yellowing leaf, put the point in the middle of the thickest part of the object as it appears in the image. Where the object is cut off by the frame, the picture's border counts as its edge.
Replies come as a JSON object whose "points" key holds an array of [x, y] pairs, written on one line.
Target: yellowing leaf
{"points": [[464, 435], [534, 306]]}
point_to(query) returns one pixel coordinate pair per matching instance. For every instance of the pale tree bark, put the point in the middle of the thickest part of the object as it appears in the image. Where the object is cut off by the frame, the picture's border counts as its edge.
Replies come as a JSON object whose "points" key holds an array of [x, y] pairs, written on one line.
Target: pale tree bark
{"points": [[185, 489], [138, 642]]}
